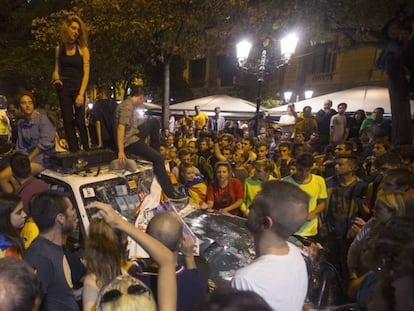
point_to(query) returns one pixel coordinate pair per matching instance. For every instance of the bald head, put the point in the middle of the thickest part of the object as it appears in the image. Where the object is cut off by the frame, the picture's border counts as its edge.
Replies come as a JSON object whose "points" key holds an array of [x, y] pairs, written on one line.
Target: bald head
{"points": [[167, 228]]}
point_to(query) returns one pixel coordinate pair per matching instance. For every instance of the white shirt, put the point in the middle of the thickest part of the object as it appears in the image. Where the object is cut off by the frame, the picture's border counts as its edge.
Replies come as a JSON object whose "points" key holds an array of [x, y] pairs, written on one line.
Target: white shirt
{"points": [[281, 280]]}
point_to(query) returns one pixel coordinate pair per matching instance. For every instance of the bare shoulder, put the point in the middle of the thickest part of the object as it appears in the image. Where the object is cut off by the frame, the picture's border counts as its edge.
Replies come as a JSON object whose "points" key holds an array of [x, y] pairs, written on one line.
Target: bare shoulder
{"points": [[90, 279], [84, 51]]}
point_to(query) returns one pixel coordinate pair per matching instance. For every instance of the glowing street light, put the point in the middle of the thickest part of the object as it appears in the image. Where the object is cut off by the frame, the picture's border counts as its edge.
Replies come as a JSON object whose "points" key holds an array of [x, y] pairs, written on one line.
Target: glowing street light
{"points": [[308, 94], [288, 47]]}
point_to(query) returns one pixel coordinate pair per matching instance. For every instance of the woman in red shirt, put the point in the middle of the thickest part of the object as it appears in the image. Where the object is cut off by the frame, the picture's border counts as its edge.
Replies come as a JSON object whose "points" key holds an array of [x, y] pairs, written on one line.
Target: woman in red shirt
{"points": [[224, 194]]}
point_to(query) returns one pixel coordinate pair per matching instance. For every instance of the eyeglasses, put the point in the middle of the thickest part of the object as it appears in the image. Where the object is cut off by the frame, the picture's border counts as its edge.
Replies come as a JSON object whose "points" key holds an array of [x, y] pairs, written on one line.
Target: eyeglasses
{"points": [[115, 294]]}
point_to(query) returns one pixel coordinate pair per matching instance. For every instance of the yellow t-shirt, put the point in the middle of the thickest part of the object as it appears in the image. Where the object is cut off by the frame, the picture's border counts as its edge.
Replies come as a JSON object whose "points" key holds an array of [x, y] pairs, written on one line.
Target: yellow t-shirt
{"points": [[316, 189], [29, 232], [200, 120]]}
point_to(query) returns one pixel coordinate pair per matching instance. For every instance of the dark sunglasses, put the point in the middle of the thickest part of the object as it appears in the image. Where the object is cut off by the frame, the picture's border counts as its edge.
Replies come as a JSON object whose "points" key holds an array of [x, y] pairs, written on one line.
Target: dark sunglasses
{"points": [[115, 294]]}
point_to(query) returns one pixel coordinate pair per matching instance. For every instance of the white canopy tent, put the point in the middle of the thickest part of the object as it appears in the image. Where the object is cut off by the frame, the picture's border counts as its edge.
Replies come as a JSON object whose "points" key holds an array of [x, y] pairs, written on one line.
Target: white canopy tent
{"points": [[231, 107], [366, 97]]}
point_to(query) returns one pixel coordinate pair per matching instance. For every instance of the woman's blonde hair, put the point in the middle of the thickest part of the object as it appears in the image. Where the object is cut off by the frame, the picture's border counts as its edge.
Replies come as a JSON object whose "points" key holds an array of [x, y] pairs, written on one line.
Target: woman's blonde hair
{"points": [[395, 202], [104, 251], [125, 293], [83, 33]]}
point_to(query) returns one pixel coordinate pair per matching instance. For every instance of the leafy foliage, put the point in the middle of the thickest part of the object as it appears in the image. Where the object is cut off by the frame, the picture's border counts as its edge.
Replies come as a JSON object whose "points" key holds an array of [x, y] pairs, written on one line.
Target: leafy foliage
{"points": [[139, 37]]}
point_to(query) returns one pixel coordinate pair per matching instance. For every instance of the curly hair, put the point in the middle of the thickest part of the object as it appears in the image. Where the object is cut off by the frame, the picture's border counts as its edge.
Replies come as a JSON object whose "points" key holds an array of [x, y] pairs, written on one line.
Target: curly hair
{"points": [[83, 33], [26, 93]]}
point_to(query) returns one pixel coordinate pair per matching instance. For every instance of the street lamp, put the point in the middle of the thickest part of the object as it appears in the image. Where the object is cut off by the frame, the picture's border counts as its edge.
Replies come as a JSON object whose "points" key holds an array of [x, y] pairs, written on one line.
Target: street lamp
{"points": [[308, 94], [287, 95], [288, 47]]}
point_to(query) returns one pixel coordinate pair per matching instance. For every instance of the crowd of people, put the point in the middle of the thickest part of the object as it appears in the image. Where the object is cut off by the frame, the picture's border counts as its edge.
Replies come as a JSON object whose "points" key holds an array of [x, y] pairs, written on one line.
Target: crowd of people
{"points": [[330, 178]]}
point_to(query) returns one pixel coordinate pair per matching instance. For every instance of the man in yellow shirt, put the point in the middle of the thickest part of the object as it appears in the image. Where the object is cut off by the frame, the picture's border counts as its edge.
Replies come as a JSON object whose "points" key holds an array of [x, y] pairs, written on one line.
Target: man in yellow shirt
{"points": [[200, 119]]}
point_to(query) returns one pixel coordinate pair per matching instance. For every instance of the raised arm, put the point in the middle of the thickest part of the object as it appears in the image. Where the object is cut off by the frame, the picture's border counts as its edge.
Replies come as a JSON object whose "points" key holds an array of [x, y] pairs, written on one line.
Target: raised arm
{"points": [[217, 152], [167, 284]]}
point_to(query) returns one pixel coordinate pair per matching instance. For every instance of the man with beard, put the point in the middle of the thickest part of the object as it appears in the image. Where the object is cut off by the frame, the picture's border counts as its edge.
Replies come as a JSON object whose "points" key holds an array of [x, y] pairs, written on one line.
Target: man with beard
{"points": [[55, 217], [346, 194]]}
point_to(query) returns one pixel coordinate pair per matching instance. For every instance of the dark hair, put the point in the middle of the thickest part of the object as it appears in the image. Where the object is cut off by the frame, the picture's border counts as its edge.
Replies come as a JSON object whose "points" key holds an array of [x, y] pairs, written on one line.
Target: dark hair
{"points": [[307, 108], [286, 144], [164, 144], [222, 163], [45, 206], [387, 241], [390, 157], [406, 260], [8, 203], [305, 159], [261, 144], [285, 203], [227, 298], [19, 284], [251, 141], [229, 148], [349, 146], [402, 178], [26, 93], [201, 140], [183, 152], [351, 159], [362, 112], [244, 155], [136, 91], [343, 104], [356, 142], [380, 109], [20, 165], [229, 137]]}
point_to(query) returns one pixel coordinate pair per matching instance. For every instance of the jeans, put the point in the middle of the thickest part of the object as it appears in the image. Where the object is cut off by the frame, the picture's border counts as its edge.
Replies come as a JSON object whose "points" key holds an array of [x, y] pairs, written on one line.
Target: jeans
{"points": [[73, 116], [151, 128]]}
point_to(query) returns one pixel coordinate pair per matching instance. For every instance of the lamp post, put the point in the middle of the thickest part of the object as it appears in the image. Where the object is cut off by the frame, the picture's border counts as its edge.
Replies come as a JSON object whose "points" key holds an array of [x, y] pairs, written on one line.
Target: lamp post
{"points": [[288, 47]]}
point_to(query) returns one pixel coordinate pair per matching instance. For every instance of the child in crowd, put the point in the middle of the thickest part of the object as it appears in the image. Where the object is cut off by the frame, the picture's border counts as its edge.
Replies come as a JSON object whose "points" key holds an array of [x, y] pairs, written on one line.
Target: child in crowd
{"points": [[193, 185]]}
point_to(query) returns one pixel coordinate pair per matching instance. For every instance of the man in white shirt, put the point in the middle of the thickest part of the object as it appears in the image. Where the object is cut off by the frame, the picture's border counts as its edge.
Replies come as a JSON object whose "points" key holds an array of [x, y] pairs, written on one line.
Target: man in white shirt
{"points": [[338, 128], [278, 274]]}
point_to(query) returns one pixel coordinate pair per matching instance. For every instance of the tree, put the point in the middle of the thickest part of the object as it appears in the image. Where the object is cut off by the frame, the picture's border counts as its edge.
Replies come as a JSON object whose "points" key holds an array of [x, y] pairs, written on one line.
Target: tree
{"points": [[139, 37], [350, 24], [127, 36]]}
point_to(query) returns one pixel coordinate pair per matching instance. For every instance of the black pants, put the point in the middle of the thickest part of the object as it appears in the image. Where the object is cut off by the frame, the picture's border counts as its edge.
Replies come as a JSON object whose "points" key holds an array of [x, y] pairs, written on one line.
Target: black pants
{"points": [[73, 116], [337, 252], [151, 128]]}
